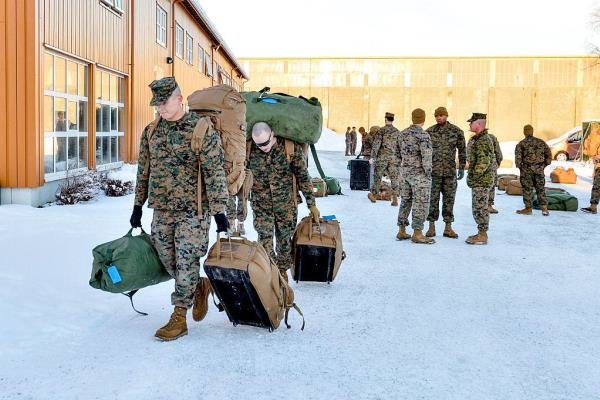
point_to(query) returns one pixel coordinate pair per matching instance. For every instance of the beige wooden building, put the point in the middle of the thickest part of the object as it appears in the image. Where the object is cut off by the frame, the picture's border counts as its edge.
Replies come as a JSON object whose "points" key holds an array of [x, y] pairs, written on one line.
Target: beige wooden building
{"points": [[553, 94], [74, 78]]}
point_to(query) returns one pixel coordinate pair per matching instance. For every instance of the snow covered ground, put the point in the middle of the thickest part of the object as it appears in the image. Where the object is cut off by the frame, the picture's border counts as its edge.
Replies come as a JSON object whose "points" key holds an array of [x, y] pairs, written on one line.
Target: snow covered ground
{"points": [[516, 319]]}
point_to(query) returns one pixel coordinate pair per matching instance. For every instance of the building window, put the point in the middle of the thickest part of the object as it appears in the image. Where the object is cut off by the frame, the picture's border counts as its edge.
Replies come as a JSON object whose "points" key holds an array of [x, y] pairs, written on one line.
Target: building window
{"points": [[110, 119], [200, 59], [116, 5], [189, 49], [208, 70], [178, 41], [65, 115], [161, 26]]}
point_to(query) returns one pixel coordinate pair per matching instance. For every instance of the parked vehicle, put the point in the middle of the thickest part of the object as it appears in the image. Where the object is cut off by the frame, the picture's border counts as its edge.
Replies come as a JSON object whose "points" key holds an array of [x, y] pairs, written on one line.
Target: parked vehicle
{"points": [[568, 146]]}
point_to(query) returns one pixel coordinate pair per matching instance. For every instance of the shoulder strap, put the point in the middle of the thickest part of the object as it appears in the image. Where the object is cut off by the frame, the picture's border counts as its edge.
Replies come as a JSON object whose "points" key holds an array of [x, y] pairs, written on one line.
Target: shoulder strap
{"points": [[288, 145], [202, 126], [151, 130]]}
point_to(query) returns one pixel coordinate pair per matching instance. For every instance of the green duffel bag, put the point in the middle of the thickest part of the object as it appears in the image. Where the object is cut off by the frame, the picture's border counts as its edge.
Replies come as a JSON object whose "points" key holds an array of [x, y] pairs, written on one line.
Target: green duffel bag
{"points": [[296, 118], [127, 264], [558, 201], [333, 185]]}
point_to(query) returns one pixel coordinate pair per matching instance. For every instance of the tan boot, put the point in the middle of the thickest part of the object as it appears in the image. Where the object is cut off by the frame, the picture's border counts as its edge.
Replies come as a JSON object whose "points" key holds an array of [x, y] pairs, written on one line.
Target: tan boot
{"points": [[394, 200], [492, 210], [525, 211], [545, 211], [417, 237], [402, 235], [431, 230], [479, 238], [592, 209], [200, 308], [448, 232], [175, 328], [372, 197]]}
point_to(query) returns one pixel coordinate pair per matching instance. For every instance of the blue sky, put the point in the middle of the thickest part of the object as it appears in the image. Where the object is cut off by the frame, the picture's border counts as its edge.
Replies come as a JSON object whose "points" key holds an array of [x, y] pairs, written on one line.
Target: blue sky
{"points": [[278, 28]]}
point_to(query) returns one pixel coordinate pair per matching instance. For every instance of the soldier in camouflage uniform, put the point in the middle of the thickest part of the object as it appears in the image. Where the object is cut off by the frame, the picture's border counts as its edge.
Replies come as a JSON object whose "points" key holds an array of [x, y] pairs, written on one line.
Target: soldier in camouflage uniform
{"points": [[595, 197], [367, 142], [384, 154], [167, 177], [532, 155], [237, 211], [481, 175], [273, 201], [348, 141], [353, 137], [495, 165], [446, 140], [415, 178]]}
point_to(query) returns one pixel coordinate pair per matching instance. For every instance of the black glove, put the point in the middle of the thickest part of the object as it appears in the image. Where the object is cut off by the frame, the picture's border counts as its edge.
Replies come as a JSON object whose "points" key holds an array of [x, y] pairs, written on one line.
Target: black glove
{"points": [[136, 217], [222, 223]]}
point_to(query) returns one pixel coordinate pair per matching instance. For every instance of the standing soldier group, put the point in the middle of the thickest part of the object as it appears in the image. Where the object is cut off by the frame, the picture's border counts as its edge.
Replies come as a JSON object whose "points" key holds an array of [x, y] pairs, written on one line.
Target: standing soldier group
{"points": [[351, 139]]}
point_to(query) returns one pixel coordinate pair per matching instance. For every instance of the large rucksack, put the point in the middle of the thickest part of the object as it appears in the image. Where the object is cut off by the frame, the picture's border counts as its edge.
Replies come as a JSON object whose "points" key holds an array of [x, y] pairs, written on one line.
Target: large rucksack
{"points": [[317, 249], [296, 118], [561, 175], [126, 265], [227, 110], [248, 283]]}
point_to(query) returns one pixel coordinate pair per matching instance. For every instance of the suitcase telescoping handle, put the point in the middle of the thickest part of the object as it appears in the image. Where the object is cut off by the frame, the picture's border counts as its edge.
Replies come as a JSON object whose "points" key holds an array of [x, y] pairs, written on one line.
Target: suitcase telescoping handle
{"points": [[230, 240], [310, 228]]}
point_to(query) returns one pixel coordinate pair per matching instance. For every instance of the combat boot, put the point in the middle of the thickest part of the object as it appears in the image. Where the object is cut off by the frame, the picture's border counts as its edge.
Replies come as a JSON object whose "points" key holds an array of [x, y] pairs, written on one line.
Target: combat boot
{"points": [[545, 211], [431, 230], [592, 209], [480, 238], [492, 210], [417, 237], [524, 211], [402, 235], [394, 200], [449, 232], [200, 308], [175, 328], [372, 197]]}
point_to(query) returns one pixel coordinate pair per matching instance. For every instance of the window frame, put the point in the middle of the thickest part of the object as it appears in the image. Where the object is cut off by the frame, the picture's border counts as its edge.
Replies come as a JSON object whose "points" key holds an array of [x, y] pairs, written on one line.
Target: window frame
{"points": [[201, 65], [112, 133], [189, 48], [179, 44], [160, 29], [112, 5], [208, 64]]}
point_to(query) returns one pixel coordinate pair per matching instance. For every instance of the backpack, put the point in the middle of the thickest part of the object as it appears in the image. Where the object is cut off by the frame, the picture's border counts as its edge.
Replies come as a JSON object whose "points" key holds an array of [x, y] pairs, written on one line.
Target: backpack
{"points": [[503, 180], [127, 264], [248, 283], [514, 187], [319, 187], [561, 175]]}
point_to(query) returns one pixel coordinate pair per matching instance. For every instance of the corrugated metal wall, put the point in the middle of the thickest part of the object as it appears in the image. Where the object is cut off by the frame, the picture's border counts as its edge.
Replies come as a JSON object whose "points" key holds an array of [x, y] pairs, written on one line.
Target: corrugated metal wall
{"points": [[552, 93]]}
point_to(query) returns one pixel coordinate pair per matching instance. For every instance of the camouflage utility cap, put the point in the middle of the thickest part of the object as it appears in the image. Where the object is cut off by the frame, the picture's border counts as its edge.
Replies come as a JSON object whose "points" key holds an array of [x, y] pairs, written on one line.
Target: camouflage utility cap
{"points": [[418, 116], [389, 115], [162, 89], [440, 111], [477, 116]]}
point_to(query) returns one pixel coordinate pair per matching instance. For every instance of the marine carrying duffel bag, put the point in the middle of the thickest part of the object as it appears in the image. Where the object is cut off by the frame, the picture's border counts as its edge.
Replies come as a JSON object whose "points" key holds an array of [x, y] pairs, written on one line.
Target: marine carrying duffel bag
{"points": [[296, 118], [126, 265]]}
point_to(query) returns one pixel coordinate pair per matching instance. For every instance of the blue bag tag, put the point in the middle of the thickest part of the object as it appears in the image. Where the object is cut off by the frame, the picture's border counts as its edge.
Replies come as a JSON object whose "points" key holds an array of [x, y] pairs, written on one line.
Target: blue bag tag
{"points": [[113, 273], [328, 217], [269, 100]]}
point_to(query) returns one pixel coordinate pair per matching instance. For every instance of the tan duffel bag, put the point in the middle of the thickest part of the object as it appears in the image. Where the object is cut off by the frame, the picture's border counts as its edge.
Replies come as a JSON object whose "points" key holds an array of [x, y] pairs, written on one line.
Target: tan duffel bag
{"points": [[561, 175], [514, 187], [319, 187], [503, 180], [317, 249], [248, 283]]}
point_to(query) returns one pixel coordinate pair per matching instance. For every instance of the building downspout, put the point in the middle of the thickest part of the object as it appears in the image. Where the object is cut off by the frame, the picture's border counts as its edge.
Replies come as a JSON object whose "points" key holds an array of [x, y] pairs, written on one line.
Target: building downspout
{"points": [[173, 38], [130, 134]]}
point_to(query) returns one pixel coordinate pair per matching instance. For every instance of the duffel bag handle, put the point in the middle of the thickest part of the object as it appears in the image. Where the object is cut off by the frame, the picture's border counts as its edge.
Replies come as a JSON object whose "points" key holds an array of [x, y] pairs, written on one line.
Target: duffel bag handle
{"points": [[131, 230]]}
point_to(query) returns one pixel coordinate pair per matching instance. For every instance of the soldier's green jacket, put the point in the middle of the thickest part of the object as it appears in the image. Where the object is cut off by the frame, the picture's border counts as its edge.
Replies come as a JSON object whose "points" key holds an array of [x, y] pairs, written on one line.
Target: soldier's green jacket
{"points": [[532, 154], [385, 143], [446, 140], [414, 153], [273, 175], [481, 160], [171, 181]]}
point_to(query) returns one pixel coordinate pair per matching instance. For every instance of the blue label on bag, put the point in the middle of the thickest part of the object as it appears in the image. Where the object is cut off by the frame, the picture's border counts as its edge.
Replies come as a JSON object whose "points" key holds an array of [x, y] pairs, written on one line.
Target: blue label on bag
{"points": [[114, 275], [328, 217]]}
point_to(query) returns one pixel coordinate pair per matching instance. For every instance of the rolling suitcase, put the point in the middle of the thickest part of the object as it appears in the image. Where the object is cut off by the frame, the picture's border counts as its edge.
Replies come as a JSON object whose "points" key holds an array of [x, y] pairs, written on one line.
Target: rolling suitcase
{"points": [[360, 174], [248, 284], [318, 250]]}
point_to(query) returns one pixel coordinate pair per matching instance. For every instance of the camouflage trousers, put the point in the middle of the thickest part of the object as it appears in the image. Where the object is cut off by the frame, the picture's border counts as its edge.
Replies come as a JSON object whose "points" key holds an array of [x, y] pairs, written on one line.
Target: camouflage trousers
{"points": [[353, 148], [446, 186], [389, 168], [596, 187], [348, 148], [492, 194], [181, 239], [479, 201], [529, 181], [237, 208], [279, 222], [415, 192]]}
